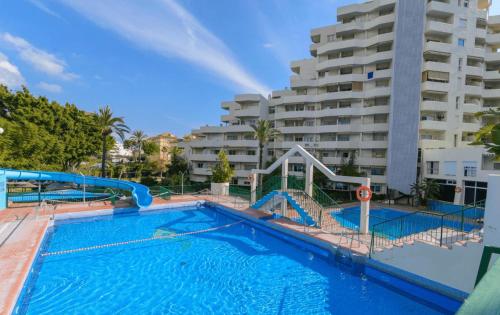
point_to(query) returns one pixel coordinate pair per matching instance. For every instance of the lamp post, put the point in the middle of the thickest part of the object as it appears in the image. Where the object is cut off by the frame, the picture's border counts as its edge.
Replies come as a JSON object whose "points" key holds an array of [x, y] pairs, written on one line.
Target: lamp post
{"points": [[83, 186], [182, 182]]}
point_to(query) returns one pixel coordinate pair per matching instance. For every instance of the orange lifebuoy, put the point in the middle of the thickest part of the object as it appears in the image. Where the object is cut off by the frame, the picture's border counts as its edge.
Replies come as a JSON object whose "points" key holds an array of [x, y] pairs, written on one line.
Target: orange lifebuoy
{"points": [[458, 189], [367, 193]]}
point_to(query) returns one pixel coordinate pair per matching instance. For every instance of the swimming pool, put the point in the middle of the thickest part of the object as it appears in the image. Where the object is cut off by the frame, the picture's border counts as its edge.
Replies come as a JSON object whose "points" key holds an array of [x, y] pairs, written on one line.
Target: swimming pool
{"points": [[234, 267], [415, 223]]}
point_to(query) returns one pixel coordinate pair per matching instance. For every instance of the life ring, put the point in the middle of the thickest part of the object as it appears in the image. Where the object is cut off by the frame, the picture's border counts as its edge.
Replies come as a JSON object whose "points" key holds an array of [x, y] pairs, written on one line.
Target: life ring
{"points": [[367, 193], [458, 189]]}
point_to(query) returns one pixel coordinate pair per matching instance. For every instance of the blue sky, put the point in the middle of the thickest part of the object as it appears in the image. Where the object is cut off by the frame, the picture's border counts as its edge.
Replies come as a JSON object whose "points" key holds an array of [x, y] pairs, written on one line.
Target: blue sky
{"points": [[165, 65]]}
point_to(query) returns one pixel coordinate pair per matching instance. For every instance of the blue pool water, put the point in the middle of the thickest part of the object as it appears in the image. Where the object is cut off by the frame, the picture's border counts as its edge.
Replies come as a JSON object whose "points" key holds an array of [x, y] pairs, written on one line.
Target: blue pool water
{"points": [[240, 269], [412, 224], [66, 194]]}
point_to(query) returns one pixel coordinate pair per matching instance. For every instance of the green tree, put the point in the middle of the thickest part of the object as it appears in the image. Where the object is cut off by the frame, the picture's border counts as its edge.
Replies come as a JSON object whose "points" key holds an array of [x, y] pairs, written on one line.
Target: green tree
{"points": [[149, 148], [349, 168], [263, 133], [222, 171], [40, 134], [108, 125], [423, 191], [137, 140], [489, 134]]}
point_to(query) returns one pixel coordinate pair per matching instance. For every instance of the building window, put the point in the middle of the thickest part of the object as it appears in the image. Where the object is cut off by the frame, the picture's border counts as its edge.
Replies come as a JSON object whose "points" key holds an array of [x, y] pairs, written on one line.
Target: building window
{"points": [[460, 62], [461, 42], [457, 102], [432, 167], [377, 171], [331, 38], [199, 165], [376, 188], [450, 168], [462, 23], [466, 3], [470, 168], [342, 137]]}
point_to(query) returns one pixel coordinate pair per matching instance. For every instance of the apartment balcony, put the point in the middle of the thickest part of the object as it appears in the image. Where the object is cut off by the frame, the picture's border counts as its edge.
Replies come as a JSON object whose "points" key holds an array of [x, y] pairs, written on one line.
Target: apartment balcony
{"points": [[379, 179], [365, 25], [338, 144], [363, 7], [441, 28], [433, 125], [223, 129], [333, 96], [380, 127], [435, 86], [480, 33], [493, 39], [440, 8], [491, 93], [299, 81], [229, 104], [471, 108], [491, 75], [477, 52], [374, 144], [253, 111], [247, 98], [377, 92], [491, 57], [433, 144], [201, 171], [298, 129], [354, 43], [224, 143], [331, 160], [355, 60], [473, 90], [371, 161], [475, 71], [232, 158], [434, 105], [295, 114], [242, 173], [471, 127], [436, 66], [355, 77], [438, 47], [299, 99], [226, 118]]}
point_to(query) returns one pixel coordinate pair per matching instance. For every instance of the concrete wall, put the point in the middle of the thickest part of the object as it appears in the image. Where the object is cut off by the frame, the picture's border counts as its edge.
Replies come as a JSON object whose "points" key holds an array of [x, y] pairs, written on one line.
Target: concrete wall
{"points": [[405, 97], [492, 214]]}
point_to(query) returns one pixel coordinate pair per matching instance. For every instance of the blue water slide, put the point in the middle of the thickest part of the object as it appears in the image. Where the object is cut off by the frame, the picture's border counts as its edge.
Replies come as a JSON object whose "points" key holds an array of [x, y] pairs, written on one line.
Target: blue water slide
{"points": [[140, 193]]}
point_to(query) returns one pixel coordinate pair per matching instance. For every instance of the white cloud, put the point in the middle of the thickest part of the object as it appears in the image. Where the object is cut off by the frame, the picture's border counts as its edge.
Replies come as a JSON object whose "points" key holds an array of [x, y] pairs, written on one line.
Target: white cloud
{"points": [[40, 5], [165, 27], [50, 87], [9, 73], [268, 45], [39, 59]]}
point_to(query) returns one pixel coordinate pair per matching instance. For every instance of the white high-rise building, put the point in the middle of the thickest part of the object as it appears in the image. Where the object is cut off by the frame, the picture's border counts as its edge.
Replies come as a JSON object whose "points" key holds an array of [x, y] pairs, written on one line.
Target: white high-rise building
{"points": [[235, 135], [392, 80]]}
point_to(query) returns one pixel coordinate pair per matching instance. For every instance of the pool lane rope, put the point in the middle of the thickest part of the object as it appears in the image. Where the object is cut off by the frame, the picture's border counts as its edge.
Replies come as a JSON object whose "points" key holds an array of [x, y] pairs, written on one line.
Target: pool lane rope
{"points": [[154, 238]]}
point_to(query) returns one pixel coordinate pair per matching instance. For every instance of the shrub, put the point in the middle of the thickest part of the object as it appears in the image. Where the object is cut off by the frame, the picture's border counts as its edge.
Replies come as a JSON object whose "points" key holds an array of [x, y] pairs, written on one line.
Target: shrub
{"points": [[222, 172]]}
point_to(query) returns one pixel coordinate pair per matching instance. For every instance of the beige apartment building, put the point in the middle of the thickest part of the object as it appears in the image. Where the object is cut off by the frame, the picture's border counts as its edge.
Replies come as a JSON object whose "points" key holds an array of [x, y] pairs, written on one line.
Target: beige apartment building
{"points": [[390, 80], [165, 142]]}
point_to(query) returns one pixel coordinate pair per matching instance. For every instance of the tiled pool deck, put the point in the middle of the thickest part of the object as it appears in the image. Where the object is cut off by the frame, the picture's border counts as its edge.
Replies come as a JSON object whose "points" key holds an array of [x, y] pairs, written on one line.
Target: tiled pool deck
{"points": [[27, 227]]}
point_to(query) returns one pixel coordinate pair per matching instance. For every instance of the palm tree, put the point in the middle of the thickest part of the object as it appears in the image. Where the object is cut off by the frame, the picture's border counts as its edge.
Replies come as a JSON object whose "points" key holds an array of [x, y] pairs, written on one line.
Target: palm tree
{"points": [[138, 138], [108, 124], [489, 134], [263, 132], [431, 189]]}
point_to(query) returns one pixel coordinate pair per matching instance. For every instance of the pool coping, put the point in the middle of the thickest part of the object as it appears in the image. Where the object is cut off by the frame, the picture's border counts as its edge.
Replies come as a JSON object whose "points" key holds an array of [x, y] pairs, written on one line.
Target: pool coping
{"points": [[311, 243]]}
